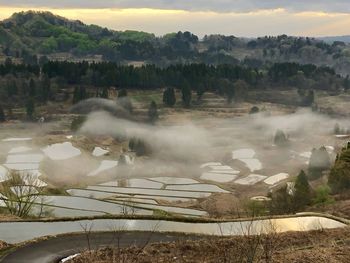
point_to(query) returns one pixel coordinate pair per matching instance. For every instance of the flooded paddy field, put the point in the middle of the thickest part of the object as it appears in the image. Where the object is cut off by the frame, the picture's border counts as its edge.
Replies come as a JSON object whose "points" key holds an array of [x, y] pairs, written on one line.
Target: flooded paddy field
{"points": [[191, 164], [29, 230]]}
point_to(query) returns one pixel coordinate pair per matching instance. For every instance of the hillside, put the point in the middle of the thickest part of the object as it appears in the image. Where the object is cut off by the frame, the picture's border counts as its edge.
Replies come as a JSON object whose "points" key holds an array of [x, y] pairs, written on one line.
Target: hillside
{"points": [[332, 39], [29, 34]]}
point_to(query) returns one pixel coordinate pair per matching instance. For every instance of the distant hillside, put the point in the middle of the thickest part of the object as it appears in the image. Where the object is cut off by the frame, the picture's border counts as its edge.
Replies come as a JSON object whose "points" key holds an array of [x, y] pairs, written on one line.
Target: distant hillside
{"points": [[345, 39], [29, 35]]}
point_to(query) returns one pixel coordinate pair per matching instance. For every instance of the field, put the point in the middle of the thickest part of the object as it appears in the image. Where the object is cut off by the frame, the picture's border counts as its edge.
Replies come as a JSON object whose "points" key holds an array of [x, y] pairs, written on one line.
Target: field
{"points": [[209, 160]]}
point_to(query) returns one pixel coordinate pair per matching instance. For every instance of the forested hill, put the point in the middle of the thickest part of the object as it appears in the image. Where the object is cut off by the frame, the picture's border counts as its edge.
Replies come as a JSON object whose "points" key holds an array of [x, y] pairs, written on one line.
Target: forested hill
{"points": [[28, 36]]}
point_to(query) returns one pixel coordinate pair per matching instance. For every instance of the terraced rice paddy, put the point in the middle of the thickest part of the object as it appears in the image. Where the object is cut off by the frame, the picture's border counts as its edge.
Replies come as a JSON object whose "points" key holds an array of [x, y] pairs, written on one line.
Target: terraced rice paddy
{"points": [[272, 180], [104, 166], [251, 179], [61, 151], [29, 230], [98, 151]]}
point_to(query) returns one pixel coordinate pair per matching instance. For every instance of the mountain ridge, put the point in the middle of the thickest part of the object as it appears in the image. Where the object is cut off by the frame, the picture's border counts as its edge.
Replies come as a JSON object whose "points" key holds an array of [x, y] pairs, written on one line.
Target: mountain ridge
{"points": [[32, 33]]}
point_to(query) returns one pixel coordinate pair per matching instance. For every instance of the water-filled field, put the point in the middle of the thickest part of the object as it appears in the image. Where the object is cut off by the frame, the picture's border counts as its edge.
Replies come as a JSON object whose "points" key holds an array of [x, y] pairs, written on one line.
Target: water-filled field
{"points": [[191, 163]]}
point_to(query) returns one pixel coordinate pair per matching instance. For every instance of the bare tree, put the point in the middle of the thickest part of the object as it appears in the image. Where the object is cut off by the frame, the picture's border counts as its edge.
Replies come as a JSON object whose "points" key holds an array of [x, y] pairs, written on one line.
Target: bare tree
{"points": [[20, 193], [270, 240], [87, 228]]}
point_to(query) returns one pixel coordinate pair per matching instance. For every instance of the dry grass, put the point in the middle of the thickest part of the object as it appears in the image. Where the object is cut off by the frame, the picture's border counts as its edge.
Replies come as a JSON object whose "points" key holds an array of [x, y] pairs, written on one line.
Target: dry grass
{"points": [[317, 246]]}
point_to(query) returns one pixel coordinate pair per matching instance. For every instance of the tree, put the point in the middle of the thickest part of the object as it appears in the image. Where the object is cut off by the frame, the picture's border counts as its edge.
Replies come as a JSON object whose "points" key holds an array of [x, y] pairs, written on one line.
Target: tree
{"points": [[169, 98], [302, 193], [124, 100], [76, 95], [347, 83], [122, 93], [32, 88], [319, 162], [254, 110], [43, 60], [30, 108], [45, 88], [280, 139], [339, 177], [226, 87], [186, 95], [153, 112], [309, 99], [322, 196], [337, 129], [139, 146], [2, 114], [21, 193], [79, 94], [240, 90], [281, 201], [104, 93]]}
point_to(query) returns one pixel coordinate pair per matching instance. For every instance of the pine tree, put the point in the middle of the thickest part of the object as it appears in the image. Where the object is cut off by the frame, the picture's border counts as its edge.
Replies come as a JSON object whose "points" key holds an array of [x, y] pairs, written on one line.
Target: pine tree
{"points": [[186, 95], [30, 108], [76, 95], [124, 100], [280, 139], [347, 83], [45, 88], [337, 129], [169, 97], [153, 112], [122, 93], [319, 162], [32, 88], [2, 114], [309, 99], [302, 192], [104, 93]]}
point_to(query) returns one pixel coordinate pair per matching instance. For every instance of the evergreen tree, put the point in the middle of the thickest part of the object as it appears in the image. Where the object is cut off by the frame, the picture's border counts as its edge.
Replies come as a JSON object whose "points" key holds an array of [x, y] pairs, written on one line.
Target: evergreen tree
{"points": [[254, 110], [302, 193], [30, 108], [45, 88], [124, 100], [339, 178], [280, 139], [240, 90], [2, 114], [82, 93], [337, 129], [281, 201], [347, 83], [169, 97], [227, 88], [104, 93], [186, 95], [79, 94], [319, 162], [76, 95], [153, 112], [122, 93], [309, 99], [32, 88]]}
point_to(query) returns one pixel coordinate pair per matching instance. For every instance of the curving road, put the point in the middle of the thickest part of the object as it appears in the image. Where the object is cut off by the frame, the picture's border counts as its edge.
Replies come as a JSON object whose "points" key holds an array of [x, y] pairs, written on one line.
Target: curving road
{"points": [[56, 248]]}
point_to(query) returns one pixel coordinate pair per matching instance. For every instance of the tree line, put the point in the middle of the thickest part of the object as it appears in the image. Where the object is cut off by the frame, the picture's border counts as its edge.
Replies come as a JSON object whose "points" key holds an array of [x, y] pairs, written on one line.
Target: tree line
{"points": [[22, 83]]}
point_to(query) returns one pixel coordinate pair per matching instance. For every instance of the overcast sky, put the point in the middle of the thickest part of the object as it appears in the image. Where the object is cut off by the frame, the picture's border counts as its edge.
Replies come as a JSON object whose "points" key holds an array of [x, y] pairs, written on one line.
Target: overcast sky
{"points": [[230, 17]]}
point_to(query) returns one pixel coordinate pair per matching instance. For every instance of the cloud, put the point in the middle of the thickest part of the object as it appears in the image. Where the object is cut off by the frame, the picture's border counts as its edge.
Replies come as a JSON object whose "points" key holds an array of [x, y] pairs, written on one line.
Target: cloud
{"points": [[251, 24], [221, 6]]}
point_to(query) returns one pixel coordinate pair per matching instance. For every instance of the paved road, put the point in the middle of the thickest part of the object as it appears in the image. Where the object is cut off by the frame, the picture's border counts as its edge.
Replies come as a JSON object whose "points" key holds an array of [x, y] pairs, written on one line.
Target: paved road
{"points": [[56, 248]]}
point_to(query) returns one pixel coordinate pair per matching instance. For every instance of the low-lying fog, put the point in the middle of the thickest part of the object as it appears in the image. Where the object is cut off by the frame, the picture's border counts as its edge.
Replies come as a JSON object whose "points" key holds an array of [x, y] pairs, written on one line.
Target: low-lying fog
{"points": [[180, 150], [183, 148]]}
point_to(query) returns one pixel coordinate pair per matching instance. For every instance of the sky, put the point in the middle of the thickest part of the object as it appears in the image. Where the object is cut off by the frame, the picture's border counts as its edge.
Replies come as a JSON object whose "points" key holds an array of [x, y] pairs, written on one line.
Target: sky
{"points": [[245, 18]]}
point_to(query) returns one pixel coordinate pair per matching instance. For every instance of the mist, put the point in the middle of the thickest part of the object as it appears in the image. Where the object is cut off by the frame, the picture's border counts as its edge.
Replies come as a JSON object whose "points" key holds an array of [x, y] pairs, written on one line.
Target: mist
{"points": [[182, 149]]}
